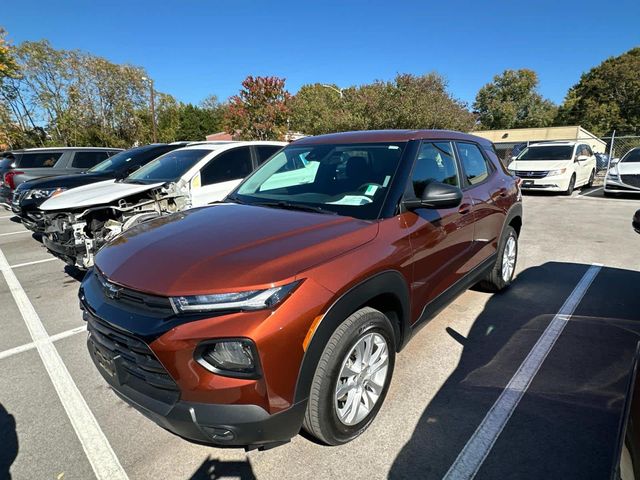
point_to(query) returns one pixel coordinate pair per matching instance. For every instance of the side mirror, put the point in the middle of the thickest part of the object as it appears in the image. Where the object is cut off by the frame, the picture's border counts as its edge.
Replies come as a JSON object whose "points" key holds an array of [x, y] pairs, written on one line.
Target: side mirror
{"points": [[582, 158], [436, 195], [614, 161], [514, 157]]}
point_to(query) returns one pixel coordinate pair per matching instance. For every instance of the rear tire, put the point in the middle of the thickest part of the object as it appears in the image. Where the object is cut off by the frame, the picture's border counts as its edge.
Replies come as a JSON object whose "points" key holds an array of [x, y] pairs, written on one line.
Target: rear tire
{"points": [[571, 187], [503, 271], [334, 389], [591, 178]]}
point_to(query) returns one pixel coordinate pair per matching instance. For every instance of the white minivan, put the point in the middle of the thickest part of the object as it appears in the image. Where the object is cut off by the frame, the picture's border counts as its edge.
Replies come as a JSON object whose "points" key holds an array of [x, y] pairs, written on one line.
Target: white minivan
{"points": [[555, 166]]}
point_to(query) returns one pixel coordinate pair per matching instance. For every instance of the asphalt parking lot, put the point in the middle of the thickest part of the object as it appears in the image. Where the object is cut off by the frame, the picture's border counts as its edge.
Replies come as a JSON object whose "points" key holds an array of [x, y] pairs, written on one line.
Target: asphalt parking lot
{"points": [[58, 419]]}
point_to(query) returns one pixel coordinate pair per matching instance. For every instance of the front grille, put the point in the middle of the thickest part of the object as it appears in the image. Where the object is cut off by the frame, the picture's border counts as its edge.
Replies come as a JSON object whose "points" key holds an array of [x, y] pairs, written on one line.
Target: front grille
{"points": [[134, 298], [531, 174], [632, 180], [142, 370]]}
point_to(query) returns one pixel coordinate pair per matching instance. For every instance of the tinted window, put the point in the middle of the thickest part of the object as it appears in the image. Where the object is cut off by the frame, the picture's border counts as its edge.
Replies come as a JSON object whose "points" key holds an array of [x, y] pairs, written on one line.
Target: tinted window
{"points": [[583, 150], [265, 151], [473, 162], [632, 156], [88, 159], [435, 163], [551, 152], [169, 167], [39, 159], [231, 165], [134, 157]]}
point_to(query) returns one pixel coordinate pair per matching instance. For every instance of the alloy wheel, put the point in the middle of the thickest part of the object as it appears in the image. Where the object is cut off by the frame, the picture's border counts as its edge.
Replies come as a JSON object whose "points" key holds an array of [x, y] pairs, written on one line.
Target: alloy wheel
{"points": [[362, 378], [509, 258]]}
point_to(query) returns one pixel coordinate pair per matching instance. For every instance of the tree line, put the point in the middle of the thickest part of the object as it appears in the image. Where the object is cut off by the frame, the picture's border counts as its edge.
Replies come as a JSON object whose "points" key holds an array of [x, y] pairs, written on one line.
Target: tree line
{"points": [[68, 97]]}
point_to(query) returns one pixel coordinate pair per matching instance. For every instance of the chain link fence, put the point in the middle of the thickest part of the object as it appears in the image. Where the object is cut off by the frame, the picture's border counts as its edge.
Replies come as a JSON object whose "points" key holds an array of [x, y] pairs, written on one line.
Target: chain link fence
{"points": [[618, 146]]}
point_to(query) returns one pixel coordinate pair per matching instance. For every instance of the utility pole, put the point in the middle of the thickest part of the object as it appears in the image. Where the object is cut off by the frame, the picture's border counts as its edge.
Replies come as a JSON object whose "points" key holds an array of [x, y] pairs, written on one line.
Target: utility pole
{"points": [[153, 109]]}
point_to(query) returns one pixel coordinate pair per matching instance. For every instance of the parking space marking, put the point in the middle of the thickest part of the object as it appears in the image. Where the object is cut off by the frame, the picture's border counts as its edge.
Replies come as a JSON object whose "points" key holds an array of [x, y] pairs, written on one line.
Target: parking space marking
{"points": [[474, 453], [592, 191], [31, 345], [26, 264], [101, 456], [7, 216], [14, 233]]}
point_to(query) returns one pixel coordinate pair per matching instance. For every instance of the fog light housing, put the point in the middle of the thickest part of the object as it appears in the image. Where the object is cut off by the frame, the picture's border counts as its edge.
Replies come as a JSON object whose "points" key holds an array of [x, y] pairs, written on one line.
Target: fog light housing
{"points": [[231, 357]]}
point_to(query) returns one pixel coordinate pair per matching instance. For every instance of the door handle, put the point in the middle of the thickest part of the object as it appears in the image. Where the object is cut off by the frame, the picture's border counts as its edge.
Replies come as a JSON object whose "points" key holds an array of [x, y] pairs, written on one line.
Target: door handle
{"points": [[464, 208]]}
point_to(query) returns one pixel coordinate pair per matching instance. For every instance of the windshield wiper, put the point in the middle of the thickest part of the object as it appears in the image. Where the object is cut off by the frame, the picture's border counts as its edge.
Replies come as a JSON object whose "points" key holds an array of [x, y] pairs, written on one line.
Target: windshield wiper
{"points": [[296, 206]]}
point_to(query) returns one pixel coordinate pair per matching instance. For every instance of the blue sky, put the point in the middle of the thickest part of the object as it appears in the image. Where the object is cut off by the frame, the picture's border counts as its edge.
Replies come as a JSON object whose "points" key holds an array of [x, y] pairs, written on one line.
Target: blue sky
{"points": [[193, 48]]}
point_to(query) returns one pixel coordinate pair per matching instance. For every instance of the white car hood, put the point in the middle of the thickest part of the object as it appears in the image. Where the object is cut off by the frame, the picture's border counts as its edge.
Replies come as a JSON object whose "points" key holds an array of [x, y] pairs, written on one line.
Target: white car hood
{"points": [[537, 165], [631, 168], [95, 194]]}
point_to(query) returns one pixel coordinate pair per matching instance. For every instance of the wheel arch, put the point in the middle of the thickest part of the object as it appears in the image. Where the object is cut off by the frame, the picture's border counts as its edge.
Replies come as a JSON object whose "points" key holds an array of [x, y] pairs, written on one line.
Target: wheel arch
{"points": [[386, 291], [513, 219]]}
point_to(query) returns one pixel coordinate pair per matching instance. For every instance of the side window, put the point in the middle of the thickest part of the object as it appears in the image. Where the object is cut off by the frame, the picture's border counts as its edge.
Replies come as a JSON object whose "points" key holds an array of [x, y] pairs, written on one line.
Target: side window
{"points": [[475, 166], [232, 165], [265, 151], [39, 160], [589, 151], [88, 159], [435, 163]]}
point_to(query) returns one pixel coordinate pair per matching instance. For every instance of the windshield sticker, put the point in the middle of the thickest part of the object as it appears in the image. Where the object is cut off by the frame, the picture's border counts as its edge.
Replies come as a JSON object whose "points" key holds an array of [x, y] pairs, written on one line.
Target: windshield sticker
{"points": [[371, 190]]}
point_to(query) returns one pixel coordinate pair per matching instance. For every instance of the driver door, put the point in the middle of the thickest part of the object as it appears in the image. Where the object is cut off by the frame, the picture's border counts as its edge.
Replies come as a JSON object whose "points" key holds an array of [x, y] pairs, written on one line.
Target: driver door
{"points": [[441, 239]]}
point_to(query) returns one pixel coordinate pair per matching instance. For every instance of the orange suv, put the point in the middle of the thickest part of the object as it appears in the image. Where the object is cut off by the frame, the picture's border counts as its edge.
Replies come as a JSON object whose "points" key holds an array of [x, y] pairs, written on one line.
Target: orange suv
{"points": [[285, 305]]}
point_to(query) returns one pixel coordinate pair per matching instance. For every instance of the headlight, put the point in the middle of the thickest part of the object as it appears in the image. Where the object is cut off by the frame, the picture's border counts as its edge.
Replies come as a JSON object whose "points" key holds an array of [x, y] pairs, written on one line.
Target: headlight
{"points": [[560, 171], [42, 193], [249, 300], [613, 174]]}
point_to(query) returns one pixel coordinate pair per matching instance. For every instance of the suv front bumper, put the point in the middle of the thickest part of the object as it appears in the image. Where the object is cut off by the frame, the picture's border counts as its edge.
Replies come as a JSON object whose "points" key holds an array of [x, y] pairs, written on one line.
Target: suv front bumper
{"points": [[556, 183]]}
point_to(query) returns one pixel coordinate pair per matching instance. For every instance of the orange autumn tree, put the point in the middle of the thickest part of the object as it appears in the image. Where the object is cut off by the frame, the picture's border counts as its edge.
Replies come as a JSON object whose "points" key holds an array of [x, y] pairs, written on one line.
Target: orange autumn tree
{"points": [[260, 111]]}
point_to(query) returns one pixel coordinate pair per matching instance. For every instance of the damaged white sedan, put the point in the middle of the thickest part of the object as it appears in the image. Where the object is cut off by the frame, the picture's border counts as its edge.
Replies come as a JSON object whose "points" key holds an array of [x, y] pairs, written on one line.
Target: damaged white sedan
{"points": [[81, 220]]}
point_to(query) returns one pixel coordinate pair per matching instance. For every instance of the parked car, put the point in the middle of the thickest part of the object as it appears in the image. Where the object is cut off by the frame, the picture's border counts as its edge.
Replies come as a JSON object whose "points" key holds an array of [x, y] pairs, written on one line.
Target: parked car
{"points": [[47, 162], [79, 221], [624, 174], [285, 305], [555, 166], [28, 196]]}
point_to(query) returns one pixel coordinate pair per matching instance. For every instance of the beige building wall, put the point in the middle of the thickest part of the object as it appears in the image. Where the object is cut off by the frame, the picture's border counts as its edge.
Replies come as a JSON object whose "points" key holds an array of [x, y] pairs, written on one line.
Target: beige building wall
{"points": [[521, 135]]}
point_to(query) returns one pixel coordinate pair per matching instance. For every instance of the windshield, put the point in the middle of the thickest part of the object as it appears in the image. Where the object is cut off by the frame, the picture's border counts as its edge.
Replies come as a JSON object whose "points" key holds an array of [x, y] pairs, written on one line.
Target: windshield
{"points": [[632, 156], [350, 180], [169, 167], [118, 161], [551, 152]]}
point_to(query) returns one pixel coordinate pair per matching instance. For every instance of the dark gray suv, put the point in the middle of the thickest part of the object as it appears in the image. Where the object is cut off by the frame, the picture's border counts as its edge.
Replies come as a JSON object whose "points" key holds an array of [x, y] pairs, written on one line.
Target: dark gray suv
{"points": [[18, 166]]}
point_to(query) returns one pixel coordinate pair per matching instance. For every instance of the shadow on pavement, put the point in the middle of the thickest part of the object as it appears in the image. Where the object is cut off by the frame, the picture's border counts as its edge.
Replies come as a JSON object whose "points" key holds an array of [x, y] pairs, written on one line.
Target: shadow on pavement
{"points": [[75, 273], [568, 423], [212, 469], [8, 442]]}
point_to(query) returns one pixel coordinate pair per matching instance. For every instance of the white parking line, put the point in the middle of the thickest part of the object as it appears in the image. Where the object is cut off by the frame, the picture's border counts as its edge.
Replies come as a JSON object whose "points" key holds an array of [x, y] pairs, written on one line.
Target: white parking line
{"points": [[26, 264], [101, 456], [7, 216], [481, 442], [592, 191], [28, 346], [14, 233]]}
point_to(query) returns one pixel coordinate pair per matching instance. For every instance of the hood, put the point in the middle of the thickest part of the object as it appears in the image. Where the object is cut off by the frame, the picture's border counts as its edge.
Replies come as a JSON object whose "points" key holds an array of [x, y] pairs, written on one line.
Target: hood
{"points": [[65, 181], [537, 165], [227, 247], [624, 168], [95, 194]]}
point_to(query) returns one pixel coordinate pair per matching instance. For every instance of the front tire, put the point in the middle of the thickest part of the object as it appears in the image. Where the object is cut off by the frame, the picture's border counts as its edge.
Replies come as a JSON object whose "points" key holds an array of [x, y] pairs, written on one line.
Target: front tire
{"points": [[352, 378], [592, 176], [571, 187], [503, 271]]}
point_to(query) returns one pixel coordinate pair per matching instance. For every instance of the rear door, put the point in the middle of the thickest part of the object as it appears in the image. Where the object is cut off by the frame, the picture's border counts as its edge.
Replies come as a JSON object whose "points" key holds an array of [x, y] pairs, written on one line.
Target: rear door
{"points": [[220, 175], [482, 185], [264, 152], [440, 239], [84, 160]]}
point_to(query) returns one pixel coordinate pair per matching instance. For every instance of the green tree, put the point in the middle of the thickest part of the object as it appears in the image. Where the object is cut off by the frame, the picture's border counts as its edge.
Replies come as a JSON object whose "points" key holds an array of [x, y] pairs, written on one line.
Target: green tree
{"points": [[511, 100], [408, 101], [607, 97], [8, 65], [260, 111]]}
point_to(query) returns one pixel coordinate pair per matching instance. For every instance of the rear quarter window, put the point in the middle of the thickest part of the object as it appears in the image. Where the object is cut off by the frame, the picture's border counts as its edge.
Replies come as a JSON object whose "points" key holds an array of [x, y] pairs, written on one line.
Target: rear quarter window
{"points": [[38, 159]]}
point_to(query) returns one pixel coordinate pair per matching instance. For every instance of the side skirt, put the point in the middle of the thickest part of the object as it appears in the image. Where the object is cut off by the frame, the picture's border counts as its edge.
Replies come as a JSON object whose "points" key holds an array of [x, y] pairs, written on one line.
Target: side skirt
{"points": [[450, 294]]}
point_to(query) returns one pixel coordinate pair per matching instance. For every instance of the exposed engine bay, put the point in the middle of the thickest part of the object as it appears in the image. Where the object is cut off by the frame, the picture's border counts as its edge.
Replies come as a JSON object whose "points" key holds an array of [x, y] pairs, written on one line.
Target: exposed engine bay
{"points": [[75, 236]]}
